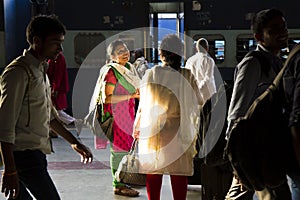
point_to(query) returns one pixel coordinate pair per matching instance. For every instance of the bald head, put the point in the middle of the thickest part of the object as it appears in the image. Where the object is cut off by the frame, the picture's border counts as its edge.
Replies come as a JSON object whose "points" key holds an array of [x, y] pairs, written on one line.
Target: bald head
{"points": [[201, 44]]}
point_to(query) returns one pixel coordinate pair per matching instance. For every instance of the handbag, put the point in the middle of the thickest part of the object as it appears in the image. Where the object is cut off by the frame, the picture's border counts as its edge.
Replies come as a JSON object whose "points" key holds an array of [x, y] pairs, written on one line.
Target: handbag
{"points": [[128, 170], [98, 127]]}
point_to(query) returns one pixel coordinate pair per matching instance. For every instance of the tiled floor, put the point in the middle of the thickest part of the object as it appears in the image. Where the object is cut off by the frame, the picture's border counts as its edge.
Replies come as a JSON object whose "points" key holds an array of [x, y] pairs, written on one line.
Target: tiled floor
{"points": [[76, 181]]}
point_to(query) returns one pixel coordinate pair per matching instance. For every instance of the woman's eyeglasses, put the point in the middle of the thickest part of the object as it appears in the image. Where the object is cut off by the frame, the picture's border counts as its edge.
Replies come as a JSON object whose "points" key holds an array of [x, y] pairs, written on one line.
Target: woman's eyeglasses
{"points": [[122, 51]]}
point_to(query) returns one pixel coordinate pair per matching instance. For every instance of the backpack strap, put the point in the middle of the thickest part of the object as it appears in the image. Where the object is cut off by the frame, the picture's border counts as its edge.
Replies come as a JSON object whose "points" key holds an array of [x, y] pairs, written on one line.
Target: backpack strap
{"points": [[275, 84], [22, 65]]}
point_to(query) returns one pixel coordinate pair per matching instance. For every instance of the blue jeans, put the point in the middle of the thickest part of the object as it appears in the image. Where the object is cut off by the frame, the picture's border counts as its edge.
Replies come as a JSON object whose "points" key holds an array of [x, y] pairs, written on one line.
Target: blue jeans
{"points": [[33, 175], [279, 193], [294, 177]]}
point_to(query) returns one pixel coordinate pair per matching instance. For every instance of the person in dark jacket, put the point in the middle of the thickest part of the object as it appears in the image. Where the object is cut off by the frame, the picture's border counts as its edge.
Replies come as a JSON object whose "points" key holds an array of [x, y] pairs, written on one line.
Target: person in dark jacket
{"points": [[270, 31], [291, 81]]}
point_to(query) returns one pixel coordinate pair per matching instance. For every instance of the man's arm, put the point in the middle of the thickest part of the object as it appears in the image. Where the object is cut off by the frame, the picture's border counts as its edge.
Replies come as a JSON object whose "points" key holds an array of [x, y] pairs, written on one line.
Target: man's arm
{"points": [[245, 84], [84, 151], [13, 87], [10, 179]]}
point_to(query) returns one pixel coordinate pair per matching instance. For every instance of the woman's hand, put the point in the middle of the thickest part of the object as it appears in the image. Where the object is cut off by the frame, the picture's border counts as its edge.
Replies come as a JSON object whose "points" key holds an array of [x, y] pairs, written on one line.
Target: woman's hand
{"points": [[136, 125], [136, 95], [138, 91], [136, 134]]}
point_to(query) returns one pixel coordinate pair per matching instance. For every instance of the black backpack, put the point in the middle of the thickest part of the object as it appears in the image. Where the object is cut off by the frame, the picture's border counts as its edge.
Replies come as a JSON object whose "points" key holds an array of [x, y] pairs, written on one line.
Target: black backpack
{"points": [[259, 146], [211, 131]]}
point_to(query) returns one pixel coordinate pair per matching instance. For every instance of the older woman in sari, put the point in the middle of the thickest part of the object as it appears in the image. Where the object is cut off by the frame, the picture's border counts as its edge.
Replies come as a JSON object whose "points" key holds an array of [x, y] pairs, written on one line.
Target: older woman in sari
{"points": [[117, 87]]}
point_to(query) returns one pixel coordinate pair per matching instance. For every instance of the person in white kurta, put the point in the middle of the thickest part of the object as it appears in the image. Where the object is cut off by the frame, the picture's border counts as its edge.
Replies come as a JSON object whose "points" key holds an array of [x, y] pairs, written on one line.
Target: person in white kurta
{"points": [[167, 121], [202, 67]]}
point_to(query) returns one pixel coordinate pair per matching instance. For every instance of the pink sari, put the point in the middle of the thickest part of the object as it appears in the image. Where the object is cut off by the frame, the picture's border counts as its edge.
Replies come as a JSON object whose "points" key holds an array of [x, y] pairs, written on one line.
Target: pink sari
{"points": [[123, 113]]}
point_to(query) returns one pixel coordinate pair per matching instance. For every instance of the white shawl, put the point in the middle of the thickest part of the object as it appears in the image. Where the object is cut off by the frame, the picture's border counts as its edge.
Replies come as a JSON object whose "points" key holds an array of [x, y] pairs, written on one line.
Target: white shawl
{"points": [[130, 75]]}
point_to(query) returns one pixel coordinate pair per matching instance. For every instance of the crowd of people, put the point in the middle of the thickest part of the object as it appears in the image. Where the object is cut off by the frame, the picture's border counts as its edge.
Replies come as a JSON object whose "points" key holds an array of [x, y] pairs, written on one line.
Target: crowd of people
{"points": [[165, 122]]}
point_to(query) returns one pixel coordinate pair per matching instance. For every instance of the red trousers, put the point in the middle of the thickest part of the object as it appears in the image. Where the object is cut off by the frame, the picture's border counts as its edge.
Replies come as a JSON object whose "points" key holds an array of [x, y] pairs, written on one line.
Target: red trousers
{"points": [[179, 186]]}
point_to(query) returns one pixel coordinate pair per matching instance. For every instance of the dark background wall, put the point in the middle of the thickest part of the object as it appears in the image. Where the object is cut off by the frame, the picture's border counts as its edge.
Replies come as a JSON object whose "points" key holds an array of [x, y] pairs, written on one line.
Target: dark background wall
{"points": [[1, 16], [232, 14], [129, 14], [102, 15], [16, 16]]}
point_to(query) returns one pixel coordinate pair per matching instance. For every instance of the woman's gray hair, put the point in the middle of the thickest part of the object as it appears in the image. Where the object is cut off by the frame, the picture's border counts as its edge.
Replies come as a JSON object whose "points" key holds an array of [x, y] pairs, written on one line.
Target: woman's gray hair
{"points": [[112, 46]]}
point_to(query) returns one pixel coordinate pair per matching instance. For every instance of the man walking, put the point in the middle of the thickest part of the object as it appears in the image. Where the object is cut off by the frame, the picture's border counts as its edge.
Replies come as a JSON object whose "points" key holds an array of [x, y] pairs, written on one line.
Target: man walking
{"points": [[26, 113]]}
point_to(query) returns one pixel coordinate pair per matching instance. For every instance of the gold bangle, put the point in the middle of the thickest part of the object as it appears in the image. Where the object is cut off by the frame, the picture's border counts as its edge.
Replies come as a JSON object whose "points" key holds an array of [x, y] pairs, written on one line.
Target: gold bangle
{"points": [[11, 173]]}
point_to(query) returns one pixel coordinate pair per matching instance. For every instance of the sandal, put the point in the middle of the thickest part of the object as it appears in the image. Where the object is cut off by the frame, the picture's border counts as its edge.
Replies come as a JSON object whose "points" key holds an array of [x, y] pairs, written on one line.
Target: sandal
{"points": [[126, 191]]}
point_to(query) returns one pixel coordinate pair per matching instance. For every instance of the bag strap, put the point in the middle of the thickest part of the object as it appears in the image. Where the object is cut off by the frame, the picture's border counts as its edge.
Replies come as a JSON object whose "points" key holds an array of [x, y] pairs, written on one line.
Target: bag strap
{"points": [[99, 99], [275, 83], [18, 62], [133, 146]]}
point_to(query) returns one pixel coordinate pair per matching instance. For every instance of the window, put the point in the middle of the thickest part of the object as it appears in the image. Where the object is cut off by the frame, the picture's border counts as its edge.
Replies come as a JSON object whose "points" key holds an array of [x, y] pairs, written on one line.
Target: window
{"points": [[84, 43], [244, 44], [219, 50]]}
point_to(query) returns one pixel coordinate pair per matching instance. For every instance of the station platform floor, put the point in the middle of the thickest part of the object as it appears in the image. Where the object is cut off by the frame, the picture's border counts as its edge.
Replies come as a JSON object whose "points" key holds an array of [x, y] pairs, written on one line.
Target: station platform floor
{"points": [[77, 181]]}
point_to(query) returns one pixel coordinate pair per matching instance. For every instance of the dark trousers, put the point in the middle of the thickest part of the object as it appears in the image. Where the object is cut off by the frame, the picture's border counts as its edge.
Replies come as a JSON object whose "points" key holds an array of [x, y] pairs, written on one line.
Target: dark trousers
{"points": [[295, 183], [215, 181], [33, 175]]}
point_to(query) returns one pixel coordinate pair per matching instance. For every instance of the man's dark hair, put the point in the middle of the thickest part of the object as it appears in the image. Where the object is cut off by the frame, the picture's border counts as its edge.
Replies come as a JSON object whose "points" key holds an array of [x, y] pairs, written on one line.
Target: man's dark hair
{"points": [[261, 19], [171, 48], [43, 26], [138, 53]]}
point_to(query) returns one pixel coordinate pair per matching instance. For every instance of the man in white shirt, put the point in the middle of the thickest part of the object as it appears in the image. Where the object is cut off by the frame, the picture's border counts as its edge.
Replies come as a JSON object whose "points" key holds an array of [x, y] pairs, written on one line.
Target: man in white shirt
{"points": [[202, 67]]}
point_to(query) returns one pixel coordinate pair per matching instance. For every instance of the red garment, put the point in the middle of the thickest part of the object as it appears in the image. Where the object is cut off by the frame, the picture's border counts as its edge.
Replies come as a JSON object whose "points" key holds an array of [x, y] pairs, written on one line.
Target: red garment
{"points": [[123, 113], [179, 186], [58, 76]]}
